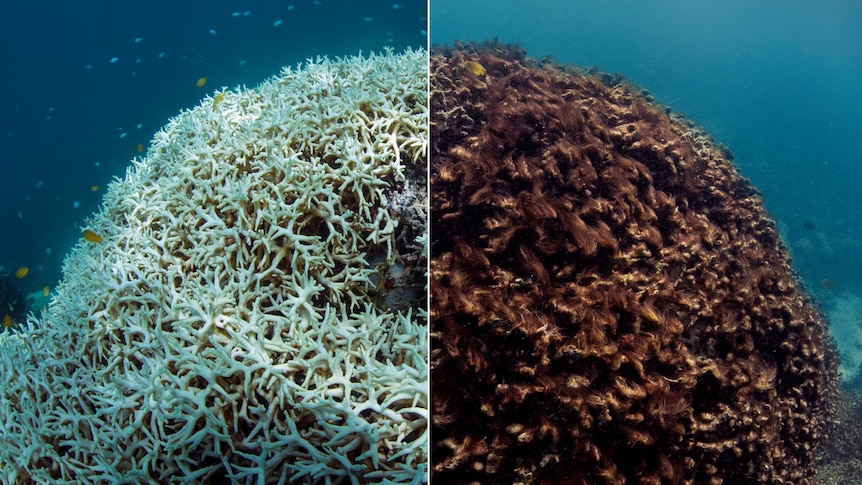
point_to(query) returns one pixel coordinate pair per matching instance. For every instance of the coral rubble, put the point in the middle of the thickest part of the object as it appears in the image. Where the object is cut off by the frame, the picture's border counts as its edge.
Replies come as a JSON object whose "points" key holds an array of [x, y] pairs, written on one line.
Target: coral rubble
{"points": [[610, 301], [234, 320], [840, 461]]}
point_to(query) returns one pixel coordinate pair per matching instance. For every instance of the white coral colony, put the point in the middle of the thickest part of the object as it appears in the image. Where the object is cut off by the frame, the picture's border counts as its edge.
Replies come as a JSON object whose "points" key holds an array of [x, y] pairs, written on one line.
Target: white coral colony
{"points": [[235, 324]]}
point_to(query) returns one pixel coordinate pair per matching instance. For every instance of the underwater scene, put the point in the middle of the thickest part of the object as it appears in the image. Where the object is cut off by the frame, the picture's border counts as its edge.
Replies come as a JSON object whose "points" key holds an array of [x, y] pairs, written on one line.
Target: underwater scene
{"points": [[214, 250], [466, 242], [88, 92], [645, 226]]}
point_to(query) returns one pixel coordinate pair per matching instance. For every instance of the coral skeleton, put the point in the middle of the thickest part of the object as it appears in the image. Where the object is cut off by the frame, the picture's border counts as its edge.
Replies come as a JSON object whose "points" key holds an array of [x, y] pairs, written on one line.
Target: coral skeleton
{"points": [[235, 324], [610, 302]]}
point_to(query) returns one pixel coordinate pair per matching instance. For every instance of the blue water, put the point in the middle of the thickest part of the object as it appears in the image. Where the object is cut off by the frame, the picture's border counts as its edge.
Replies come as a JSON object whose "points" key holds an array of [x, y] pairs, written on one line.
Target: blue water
{"points": [[66, 106], [778, 82]]}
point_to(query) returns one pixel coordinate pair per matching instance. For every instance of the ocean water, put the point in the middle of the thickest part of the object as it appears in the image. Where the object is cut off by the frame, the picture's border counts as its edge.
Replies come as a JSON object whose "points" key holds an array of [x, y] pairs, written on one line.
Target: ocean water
{"points": [[84, 86], [777, 82]]}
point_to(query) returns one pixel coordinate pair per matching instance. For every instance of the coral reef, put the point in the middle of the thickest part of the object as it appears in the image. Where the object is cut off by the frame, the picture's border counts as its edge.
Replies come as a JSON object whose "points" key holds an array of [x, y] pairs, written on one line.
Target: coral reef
{"points": [[610, 301], [235, 323]]}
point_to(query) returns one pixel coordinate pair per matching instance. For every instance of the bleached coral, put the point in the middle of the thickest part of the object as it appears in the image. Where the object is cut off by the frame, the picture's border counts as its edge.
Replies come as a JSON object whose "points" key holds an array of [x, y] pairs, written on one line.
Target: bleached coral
{"points": [[234, 323]]}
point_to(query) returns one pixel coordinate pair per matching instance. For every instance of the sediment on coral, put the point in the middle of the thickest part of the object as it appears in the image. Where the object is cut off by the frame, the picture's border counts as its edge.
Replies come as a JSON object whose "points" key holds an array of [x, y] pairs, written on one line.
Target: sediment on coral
{"points": [[255, 310], [610, 302]]}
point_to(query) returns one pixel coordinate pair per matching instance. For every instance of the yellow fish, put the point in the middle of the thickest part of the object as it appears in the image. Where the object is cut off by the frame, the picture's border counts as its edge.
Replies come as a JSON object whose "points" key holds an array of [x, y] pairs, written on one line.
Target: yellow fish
{"points": [[7, 321], [217, 99], [94, 188], [201, 81], [91, 236], [140, 148], [22, 272], [45, 291], [476, 68]]}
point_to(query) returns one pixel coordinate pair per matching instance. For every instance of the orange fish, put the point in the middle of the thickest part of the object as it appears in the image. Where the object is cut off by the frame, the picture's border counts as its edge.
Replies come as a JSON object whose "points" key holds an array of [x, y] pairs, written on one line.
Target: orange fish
{"points": [[45, 291], [201, 81], [91, 236], [22, 272], [140, 147], [7, 321], [217, 99]]}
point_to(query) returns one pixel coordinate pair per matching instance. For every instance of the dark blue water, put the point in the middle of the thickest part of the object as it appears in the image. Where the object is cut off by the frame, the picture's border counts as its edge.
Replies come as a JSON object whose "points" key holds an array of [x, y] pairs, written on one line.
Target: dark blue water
{"points": [[778, 82], [71, 119]]}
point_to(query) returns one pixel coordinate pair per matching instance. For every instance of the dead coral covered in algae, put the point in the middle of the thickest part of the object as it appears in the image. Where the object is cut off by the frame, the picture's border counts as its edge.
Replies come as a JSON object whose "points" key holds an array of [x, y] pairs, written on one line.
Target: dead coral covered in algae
{"points": [[610, 302]]}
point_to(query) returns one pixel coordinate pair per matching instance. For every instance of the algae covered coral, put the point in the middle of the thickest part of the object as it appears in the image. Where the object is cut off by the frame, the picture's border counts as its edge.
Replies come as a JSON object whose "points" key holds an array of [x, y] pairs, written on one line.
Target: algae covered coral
{"points": [[610, 302], [236, 323]]}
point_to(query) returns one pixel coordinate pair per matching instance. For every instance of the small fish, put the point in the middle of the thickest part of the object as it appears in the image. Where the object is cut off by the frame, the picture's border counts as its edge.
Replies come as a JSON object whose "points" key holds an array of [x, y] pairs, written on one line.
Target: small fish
{"points": [[91, 236], [7, 321], [476, 68], [22, 272], [276, 23], [46, 291], [217, 99], [140, 148], [94, 188], [201, 81]]}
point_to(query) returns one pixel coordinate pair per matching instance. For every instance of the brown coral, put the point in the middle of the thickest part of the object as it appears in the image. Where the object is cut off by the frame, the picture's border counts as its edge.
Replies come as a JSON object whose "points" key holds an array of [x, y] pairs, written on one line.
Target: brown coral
{"points": [[610, 302]]}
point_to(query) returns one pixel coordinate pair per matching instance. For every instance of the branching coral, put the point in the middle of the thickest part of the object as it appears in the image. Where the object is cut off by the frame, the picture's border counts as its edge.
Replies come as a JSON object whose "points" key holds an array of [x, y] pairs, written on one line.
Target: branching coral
{"points": [[610, 302], [233, 323]]}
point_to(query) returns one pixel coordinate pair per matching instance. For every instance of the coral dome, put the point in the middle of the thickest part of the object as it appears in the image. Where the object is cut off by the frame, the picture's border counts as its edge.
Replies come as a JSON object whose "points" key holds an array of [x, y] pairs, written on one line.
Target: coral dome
{"points": [[249, 306], [611, 303]]}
